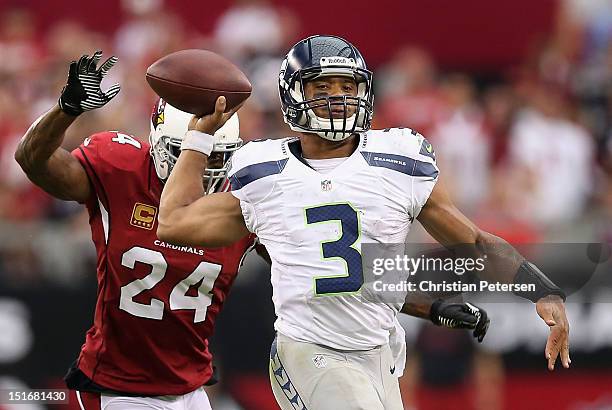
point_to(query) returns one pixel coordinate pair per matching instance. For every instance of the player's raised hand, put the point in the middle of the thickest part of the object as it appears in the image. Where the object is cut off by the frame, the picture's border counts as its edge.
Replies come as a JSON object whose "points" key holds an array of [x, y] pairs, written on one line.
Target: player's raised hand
{"points": [[209, 124], [82, 92], [552, 311], [460, 316]]}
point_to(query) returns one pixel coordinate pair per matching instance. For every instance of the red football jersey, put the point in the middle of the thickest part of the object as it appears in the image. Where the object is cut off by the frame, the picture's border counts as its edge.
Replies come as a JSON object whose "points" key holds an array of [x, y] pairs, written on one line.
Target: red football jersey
{"points": [[157, 302]]}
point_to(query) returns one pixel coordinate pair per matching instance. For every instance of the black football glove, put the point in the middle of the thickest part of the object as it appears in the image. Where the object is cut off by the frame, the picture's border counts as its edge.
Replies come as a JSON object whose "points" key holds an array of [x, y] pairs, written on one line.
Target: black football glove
{"points": [[460, 316], [82, 92]]}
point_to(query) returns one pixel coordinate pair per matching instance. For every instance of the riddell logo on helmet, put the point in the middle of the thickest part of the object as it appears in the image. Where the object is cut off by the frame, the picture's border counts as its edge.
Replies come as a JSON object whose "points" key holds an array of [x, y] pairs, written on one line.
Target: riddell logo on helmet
{"points": [[337, 61]]}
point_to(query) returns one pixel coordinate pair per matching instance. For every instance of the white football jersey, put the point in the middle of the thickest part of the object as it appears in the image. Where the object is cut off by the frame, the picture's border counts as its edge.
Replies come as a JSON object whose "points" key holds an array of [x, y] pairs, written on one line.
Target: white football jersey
{"points": [[313, 226]]}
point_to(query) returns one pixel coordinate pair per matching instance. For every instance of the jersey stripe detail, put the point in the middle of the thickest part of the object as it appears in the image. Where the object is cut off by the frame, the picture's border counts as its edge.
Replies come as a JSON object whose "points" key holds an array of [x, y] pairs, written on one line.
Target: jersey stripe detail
{"points": [[247, 251], [78, 394], [405, 165], [89, 400], [254, 172], [280, 375], [104, 214]]}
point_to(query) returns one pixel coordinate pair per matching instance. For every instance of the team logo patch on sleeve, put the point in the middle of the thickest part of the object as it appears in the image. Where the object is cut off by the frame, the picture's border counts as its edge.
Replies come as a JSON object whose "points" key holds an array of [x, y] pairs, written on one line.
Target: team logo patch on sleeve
{"points": [[143, 216], [427, 149]]}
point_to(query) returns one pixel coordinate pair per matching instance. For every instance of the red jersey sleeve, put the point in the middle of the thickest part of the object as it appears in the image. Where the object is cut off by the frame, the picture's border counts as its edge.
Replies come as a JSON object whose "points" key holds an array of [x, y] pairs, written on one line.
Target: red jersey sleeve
{"points": [[102, 155]]}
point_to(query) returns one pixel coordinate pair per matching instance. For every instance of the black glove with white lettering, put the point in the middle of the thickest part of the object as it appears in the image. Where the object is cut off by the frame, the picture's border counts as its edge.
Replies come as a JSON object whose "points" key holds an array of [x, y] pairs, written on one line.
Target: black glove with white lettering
{"points": [[460, 316], [82, 92]]}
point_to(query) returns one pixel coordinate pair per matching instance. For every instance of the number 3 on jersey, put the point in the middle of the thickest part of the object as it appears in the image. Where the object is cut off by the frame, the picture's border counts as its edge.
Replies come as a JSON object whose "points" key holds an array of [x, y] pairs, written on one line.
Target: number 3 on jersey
{"points": [[341, 248], [178, 298]]}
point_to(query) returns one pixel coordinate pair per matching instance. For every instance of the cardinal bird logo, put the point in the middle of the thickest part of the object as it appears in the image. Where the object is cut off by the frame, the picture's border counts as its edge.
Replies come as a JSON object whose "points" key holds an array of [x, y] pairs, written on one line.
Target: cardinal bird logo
{"points": [[157, 116]]}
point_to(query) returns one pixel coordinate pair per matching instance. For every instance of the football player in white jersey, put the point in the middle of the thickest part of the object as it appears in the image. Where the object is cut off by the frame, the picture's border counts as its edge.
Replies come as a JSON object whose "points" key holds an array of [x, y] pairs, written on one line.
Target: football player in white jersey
{"points": [[313, 201]]}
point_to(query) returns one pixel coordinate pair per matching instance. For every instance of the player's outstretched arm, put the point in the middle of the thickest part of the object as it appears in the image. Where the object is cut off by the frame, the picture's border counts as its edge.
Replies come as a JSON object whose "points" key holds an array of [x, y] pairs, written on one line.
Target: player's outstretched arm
{"points": [[39, 152], [186, 215], [451, 228], [47, 164]]}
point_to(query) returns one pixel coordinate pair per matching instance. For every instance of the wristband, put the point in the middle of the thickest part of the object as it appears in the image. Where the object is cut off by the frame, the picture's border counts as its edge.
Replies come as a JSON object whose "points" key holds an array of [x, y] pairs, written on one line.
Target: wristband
{"points": [[68, 108], [529, 274], [198, 141]]}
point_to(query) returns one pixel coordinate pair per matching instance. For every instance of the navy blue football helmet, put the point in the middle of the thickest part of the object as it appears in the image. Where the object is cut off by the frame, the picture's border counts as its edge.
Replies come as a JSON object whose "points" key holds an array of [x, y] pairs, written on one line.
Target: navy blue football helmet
{"points": [[319, 56]]}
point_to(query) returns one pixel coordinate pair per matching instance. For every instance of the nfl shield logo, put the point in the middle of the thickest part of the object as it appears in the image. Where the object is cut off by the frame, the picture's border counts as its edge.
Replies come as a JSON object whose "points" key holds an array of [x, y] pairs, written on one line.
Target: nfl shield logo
{"points": [[326, 185]]}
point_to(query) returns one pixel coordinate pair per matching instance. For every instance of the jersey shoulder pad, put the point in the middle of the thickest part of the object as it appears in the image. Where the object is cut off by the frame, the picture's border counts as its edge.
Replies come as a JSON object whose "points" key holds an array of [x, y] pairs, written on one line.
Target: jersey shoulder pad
{"points": [[257, 159], [400, 149], [401, 140], [113, 150]]}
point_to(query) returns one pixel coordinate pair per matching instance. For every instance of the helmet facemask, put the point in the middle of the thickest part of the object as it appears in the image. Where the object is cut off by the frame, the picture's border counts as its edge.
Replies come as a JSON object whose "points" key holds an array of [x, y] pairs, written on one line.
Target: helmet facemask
{"points": [[166, 138]]}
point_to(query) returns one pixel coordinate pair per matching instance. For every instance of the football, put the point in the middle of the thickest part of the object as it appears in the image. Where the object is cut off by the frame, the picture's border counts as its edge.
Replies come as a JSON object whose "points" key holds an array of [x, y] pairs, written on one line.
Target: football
{"points": [[192, 80]]}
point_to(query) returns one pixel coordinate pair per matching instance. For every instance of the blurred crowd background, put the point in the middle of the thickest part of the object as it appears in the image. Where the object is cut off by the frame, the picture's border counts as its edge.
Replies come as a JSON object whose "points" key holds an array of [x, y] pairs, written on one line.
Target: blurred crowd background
{"points": [[516, 98]]}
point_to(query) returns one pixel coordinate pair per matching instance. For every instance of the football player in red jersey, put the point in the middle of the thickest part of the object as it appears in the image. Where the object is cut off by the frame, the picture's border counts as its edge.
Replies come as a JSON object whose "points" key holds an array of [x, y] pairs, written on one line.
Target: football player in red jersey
{"points": [[157, 302]]}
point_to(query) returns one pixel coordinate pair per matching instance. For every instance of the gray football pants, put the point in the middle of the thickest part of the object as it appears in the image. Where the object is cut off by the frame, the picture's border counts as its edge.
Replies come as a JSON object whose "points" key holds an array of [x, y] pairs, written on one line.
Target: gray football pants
{"points": [[307, 376]]}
